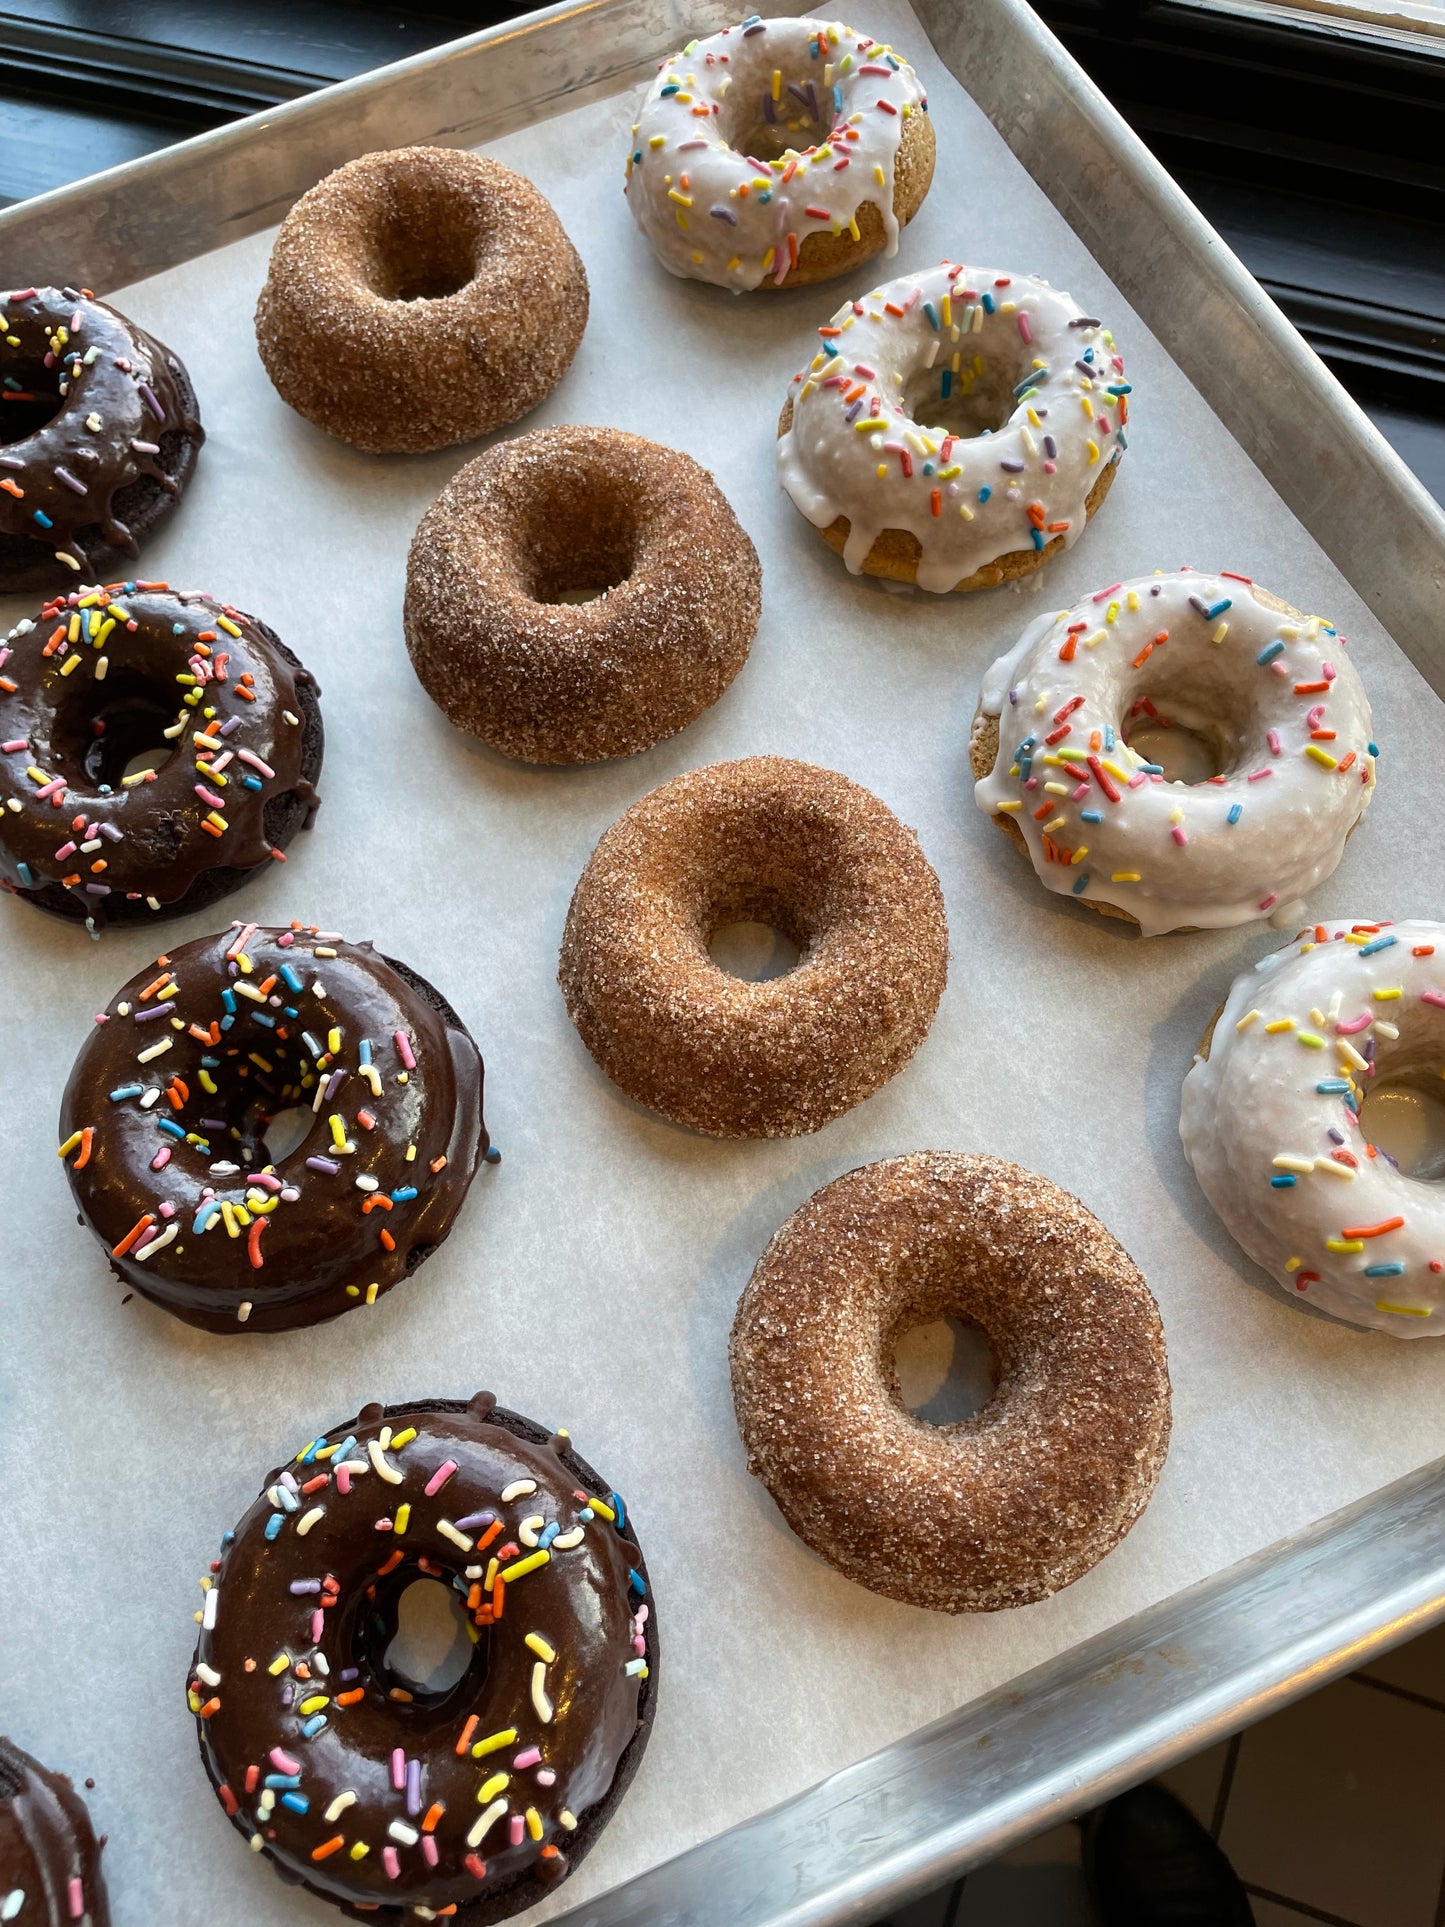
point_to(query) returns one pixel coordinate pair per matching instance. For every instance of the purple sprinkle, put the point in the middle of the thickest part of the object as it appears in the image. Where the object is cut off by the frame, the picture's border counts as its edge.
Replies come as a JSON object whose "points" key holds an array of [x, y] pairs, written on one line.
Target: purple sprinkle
{"points": [[1198, 602], [12, 461], [473, 1520], [1155, 588], [413, 1786], [328, 1165], [721, 213], [231, 723], [1086, 368], [769, 111], [151, 401], [71, 481], [112, 830], [98, 889], [334, 1083], [350, 1672], [798, 94], [1085, 321], [150, 1015], [851, 415], [1051, 449], [1012, 468], [214, 1123], [1338, 1136], [299, 1586]]}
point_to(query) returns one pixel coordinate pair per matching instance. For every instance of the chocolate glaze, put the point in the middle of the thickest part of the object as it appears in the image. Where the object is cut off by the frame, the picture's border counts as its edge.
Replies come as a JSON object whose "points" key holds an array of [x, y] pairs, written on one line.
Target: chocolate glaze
{"points": [[169, 1173], [49, 1855], [314, 1571], [101, 435], [100, 676]]}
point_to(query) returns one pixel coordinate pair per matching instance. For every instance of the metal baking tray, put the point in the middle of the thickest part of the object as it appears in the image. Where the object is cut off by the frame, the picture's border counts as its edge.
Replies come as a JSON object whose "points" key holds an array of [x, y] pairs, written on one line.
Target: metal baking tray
{"points": [[1227, 1651]]}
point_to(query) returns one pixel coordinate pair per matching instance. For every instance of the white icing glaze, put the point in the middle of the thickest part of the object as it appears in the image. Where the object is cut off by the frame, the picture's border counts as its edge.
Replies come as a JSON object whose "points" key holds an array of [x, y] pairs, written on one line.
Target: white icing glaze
{"points": [[714, 214], [1353, 1007], [870, 439], [1277, 701]]}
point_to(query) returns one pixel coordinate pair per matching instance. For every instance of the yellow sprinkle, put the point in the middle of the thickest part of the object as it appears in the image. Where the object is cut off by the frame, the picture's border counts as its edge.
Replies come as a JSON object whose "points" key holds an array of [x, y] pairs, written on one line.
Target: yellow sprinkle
{"points": [[404, 1437], [1287, 1161], [315, 1703], [224, 622], [1344, 1245], [71, 662], [1279, 1024], [1383, 996], [1221, 631], [1293, 1264], [534, 1823], [600, 1506], [1125, 876], [358, 1852], [1003, 807], [493, 1740], [873, 421], [1334, 1168], [1405, 1311], [489, 1789], [1080, 853], [521, 1567], [538, 1645], [278, 1665], [403, 1518]]}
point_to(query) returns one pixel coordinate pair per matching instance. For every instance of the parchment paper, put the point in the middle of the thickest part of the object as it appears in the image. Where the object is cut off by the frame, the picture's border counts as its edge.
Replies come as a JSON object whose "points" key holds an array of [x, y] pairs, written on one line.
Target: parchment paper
{"points": [[592, 1279]]}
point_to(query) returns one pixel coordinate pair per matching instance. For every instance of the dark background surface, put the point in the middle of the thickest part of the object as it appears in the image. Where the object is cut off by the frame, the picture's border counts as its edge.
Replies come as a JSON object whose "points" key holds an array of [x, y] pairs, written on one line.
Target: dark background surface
{"points": [[1318, 152]]}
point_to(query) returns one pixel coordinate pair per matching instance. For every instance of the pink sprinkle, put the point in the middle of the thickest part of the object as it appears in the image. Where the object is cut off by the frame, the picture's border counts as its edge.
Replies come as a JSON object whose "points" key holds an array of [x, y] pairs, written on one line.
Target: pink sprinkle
{"points": [[403, 1047], [1327, 669], [868, 374], [398, 1768], [318, 1626], [11, 747], [1316, 716], [529, 1758], [1258, 775], [1363, 1023], [1270, 901], [1432, 997], [286, 938], [518, 1824], [391, 1863], [1137, 780], [639, 1645], [1024, 329], [429, 1849], [1177, 833], [546, 1777], [1273, 740], [439, 1478], [1082, 790], [262, 769], [1104, 594], [283, 1763], [343, 1479], [1277, 668], [166, 1209], [76, 1894], [210, 796], [161, 1159]]}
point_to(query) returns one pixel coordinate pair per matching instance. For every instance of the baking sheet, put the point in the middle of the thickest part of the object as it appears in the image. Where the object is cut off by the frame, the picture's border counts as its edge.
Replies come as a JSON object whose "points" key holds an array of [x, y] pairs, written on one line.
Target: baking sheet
{"points": [[593, 1276]]}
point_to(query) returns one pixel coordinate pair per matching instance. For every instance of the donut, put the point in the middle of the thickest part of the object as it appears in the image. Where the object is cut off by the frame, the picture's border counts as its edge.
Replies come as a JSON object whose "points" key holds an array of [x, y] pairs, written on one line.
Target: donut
{"points": [[1264, 698], [955, 429], [818, 150], [213, 1051], [783, 843], [99, 433], [49, 1855], [566, 509], [1270, 1121], [1029, 1493], [378, 1792], [419, 298], [219, 719]]}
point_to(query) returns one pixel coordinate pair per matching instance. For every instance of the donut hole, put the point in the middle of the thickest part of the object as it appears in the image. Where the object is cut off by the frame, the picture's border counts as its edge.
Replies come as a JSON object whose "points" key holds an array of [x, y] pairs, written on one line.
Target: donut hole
{"points": [[264, 1114], [412, 1640], [285, 1131], [755, 952], [1405, 1120], [1189, 721], [29, 398], [108, 730], [767, 130], [944, 1369], [428, 249], [579, 543], [967, 405]]}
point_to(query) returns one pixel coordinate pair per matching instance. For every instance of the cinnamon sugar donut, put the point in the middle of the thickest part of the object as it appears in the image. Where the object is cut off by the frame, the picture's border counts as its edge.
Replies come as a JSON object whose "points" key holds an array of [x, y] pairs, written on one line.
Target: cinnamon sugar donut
{"points": [[788, 844], [1028, 1494], [564, 509], [418, 298]]}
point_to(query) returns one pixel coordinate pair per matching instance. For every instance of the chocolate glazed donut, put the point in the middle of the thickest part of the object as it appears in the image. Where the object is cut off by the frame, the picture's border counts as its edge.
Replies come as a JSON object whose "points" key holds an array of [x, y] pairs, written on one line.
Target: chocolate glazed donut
{"points": [[49, 1855], [165, 1121], [99, 434], [221, 721], [376, 1791]]}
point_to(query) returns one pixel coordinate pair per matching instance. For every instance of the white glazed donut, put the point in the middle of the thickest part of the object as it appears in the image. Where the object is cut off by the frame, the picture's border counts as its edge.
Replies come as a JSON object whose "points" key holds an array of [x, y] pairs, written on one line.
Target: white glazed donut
{"points": [[715, 209], [1268, 694], [1268, 1119], [958, 422]]}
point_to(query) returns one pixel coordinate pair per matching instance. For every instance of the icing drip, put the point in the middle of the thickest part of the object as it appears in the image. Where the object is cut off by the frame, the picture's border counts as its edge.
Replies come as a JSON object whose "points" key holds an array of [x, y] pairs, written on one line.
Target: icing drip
{"points": [[828, 104], [1270, 1121], [970, 408], [1270, 699]]}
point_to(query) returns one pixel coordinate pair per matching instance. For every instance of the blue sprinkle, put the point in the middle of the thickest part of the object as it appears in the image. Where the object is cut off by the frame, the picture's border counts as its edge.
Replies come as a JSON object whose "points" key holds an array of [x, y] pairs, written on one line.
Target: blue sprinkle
{"points": [[549, 1533], [1268, 654], [635, 1580], [123, 1091], [27, 875], [668, 92], [984, 493], [251, 782], [1219, 608], [228, 1020], [1283, 1182], [43, 519], [274, 1524], [1236, 810], [282, 1779], [297, 1802], [945, 386], [1392, 1270], [292, 981], [614, 1499], [404, 1195], [170, 1127], [1108, 736], [1373, 749], [932, 313], [228, 998], [310, 1728], [1038, 536], [210, 1209], [1380, 943], [210, 1062], [829, 348], [1081, 886], [260, 1017], [308, 1457], [1091, 816], [988, 304]]}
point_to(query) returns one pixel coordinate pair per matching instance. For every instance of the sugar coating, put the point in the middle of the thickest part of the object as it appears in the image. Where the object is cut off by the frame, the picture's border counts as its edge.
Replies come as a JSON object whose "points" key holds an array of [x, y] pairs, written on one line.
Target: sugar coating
{"points": [[580, 508], [785, 843], [1029, 1493], [418, 298]]}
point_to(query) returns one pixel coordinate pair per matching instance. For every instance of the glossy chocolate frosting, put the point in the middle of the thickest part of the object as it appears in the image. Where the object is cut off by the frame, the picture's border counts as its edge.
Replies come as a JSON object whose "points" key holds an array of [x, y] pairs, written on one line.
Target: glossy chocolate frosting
{"points": [[49, 1855], [98, 434], [363, 1786], [163, 1123], [101, 677]]}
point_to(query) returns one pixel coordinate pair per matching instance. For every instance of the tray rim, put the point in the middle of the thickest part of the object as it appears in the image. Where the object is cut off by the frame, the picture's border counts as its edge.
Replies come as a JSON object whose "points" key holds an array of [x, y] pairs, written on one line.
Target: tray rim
{"points": [[1200, 1663]]}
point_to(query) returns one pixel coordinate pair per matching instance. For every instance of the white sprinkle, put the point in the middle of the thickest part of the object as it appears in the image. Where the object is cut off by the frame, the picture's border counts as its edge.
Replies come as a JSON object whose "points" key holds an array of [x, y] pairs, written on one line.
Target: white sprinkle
{"points": [[208, 1610], [340, 1804], [539, 1693], [519, 1489], [305, 1523], [399, 1830], [486, 1821], [449, 1531], [207, 1673], [378, 1460]]}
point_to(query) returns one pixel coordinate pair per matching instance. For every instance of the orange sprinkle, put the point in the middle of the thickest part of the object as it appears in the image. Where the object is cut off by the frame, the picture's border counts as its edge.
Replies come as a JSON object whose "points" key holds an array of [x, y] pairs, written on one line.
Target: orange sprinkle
{"points": [[328, 1847], [467, 1731], [1372, 1230]]}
